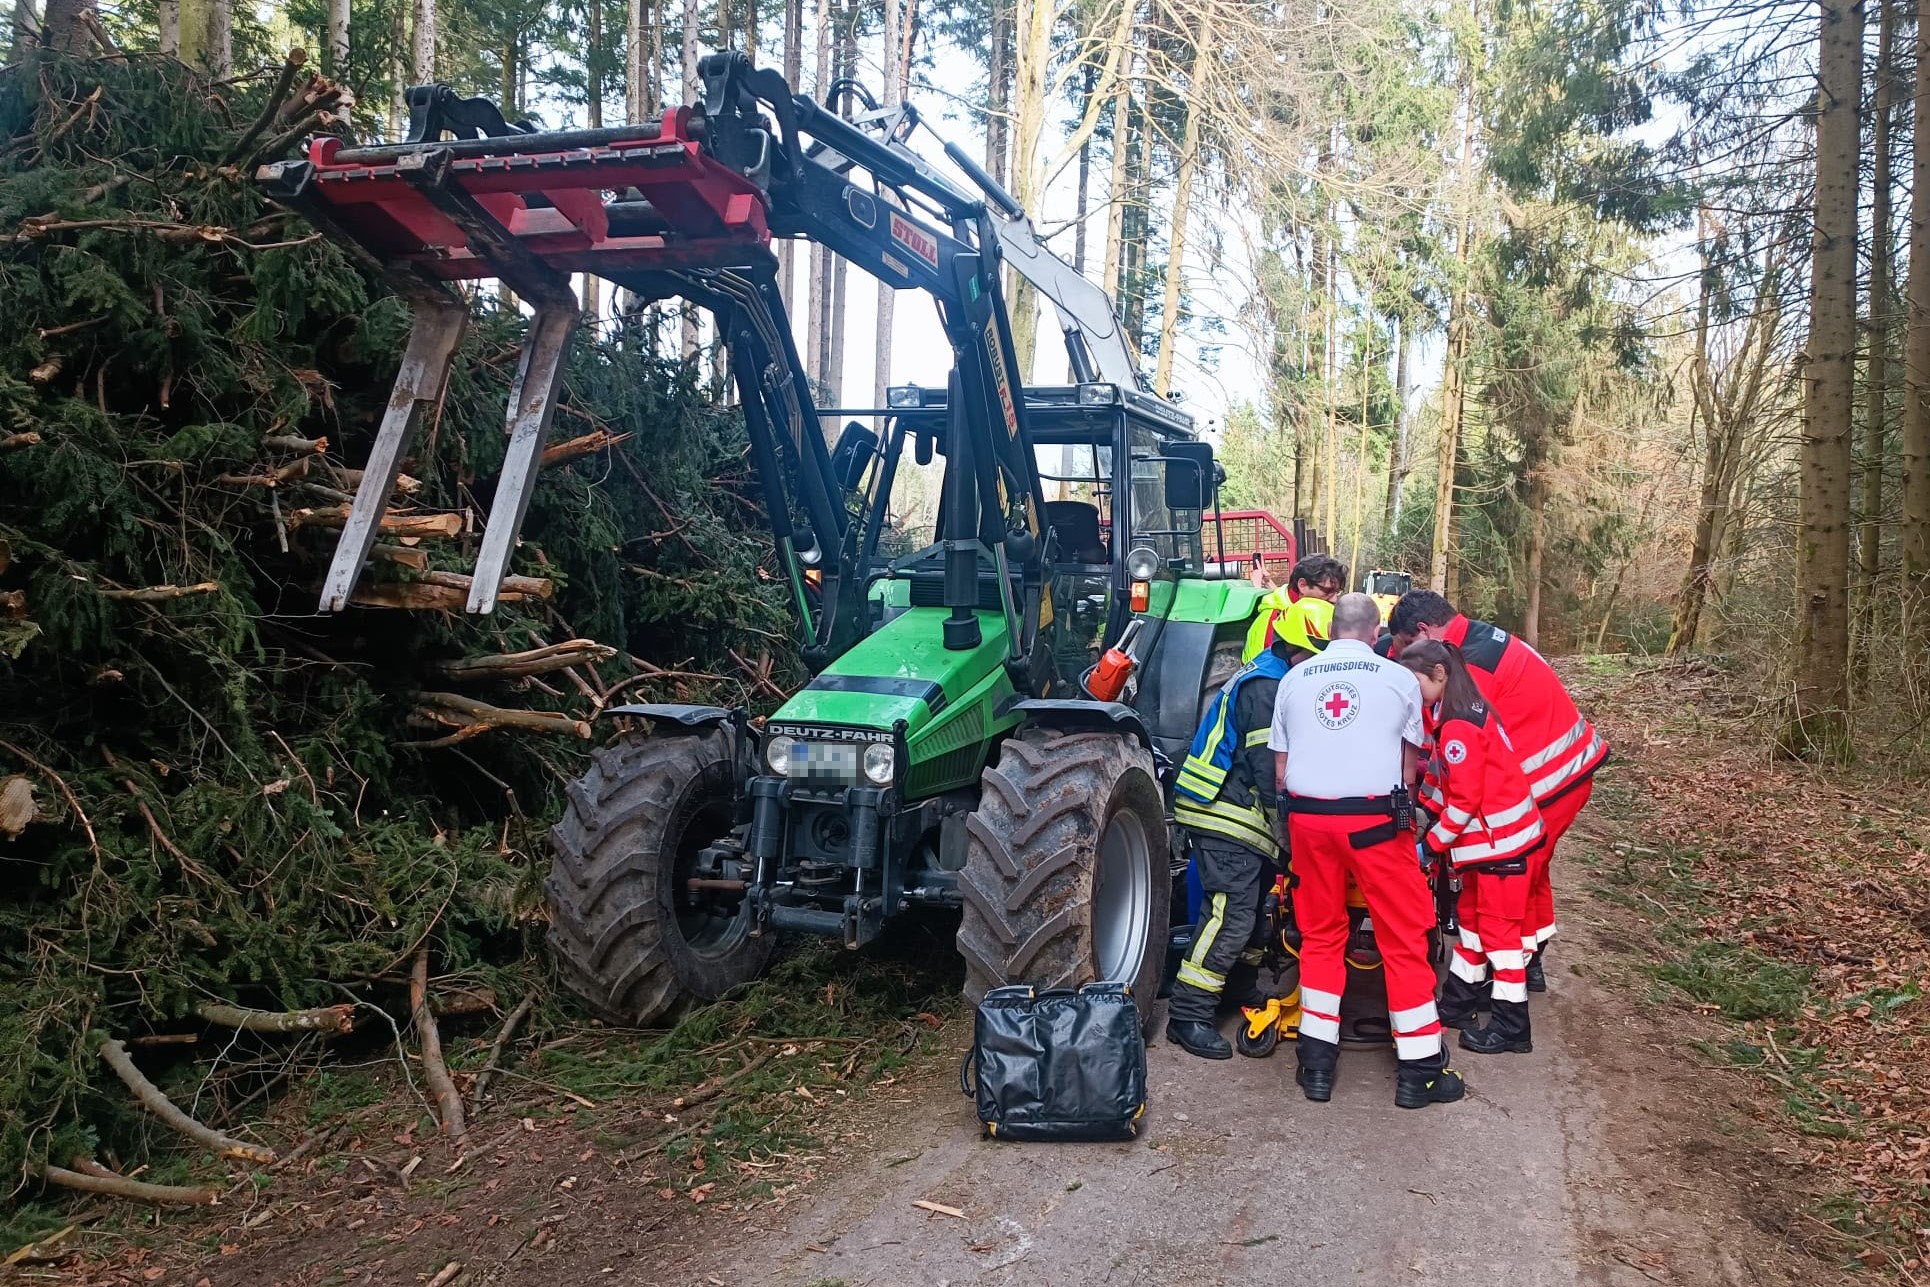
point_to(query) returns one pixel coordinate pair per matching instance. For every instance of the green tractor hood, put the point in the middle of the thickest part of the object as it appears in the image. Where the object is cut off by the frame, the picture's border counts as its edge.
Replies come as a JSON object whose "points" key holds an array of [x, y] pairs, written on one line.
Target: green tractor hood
{"points": [[948, 700]]}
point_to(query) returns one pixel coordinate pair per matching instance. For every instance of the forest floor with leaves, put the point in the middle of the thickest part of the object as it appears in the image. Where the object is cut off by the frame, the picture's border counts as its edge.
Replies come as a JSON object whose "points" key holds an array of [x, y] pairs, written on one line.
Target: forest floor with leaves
{"points": [[1779, 916]]}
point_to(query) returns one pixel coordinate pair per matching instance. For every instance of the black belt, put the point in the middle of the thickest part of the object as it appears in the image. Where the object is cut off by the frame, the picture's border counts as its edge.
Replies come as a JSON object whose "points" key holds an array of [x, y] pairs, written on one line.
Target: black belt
{"points": [[1356, 806]]}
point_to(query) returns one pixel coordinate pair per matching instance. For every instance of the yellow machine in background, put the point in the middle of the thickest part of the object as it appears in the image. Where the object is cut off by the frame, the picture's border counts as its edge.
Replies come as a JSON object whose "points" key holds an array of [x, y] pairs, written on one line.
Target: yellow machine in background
{"points": [[1387, 588]]}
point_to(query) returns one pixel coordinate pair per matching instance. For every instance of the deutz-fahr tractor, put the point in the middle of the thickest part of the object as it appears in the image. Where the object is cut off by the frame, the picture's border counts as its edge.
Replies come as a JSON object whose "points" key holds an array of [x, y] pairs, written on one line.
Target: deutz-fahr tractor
{"points": [[950, 751]]}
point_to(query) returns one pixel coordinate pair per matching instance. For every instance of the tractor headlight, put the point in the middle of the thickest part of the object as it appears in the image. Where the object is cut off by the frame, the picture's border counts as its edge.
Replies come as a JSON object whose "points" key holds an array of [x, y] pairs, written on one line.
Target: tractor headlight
{"points": [[904, 397], [1098, 395], [880, 763], [1142, 564], [777, 754]]}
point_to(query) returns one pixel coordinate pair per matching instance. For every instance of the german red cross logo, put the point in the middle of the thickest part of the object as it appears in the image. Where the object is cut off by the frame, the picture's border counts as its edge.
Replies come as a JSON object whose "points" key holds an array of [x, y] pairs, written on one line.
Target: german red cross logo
{"points": [[1337, 705], [1454, 752]]}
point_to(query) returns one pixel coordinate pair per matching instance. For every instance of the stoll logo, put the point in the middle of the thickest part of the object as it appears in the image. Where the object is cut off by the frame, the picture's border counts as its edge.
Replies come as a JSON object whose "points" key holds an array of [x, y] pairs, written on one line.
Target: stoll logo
{"points": [[915, 239]]}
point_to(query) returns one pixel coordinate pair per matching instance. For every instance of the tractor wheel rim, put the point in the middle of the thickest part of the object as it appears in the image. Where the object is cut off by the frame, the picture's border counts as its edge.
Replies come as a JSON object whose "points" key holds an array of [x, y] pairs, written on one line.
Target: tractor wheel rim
{"points": [[1122, 898]]}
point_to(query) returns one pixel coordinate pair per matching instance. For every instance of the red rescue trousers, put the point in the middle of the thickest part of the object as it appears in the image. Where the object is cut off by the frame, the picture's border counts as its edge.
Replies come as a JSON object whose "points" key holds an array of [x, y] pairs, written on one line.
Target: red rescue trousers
{"points": [[1403, 910], [1538, 922], [1490, 910]]}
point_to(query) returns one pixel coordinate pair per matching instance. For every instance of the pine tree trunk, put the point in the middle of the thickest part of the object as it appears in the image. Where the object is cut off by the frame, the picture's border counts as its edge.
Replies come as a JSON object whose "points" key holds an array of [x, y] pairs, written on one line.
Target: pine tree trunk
{"points": [[636, 108], [1329, 485], [1110, 276], [1915, 480], [845, 53], [1203, 51], [1695, 586], [1537, 500], [167, 16], [1134, 234], [221, 39], [1876, 383], [65, 30], [1082, 200], [336, 45], [1443, 569], [1819, 717], [1032, 70], [998, 90], [1397, 463], [422, 42], [817, 345]]}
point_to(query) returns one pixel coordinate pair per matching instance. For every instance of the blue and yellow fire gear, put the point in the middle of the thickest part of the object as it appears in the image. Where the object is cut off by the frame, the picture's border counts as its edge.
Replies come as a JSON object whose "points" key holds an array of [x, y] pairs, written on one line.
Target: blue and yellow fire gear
{"points": [[1302, 624], [1224, 798]]}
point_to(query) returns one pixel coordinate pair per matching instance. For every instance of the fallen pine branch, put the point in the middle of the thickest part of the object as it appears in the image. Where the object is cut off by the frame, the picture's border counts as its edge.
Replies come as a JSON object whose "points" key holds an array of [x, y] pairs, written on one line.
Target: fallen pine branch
{"points": [[119, 1186], [470, 718], [162, 593], [586, 445], [276, 101], [66, 792], [535, 661], [417, 525], [328, 1018], [296, 468], [434, 1070], [150, 1096], [496, 1049]]}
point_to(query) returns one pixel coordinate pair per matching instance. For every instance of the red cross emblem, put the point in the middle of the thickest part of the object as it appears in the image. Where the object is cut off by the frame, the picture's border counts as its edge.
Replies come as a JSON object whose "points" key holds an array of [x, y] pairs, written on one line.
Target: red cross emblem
{"points": [[1337, 704]]}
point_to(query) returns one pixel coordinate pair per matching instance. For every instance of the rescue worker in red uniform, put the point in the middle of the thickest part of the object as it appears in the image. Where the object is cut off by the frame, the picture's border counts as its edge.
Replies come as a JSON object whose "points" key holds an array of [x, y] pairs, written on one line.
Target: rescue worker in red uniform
{"points": [[1559, 749], [1347, 737], [1486, 826]]}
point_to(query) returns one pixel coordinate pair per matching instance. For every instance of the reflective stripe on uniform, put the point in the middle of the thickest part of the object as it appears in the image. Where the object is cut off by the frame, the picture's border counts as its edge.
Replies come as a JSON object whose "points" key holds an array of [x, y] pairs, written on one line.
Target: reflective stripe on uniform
{"points": [[1414, 1018], [1546, 785], [1458, 816], [1242, 826], [1554, 749], [1505, 990], [1506, 816], [1258, 736], [1506, 847], [1470, 940], [1466, 970], [1424, 1046], [1193, 969], [1326, 1003], [1320, 1027], [1506, 960], [1203, 979]]}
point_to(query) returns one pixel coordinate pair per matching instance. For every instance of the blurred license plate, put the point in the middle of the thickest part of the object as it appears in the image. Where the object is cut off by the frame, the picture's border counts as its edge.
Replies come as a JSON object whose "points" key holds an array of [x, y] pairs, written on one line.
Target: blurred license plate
{"points": [[825, 762]]}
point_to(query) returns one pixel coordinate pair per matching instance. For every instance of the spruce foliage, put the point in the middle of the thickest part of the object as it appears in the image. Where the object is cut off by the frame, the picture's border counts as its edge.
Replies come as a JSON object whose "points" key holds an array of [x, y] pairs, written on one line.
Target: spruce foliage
{"points": [[226, 809]]}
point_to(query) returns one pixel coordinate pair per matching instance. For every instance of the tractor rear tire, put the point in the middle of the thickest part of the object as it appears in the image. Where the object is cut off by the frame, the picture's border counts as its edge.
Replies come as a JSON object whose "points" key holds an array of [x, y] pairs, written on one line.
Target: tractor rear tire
{"points": [[626, 937], [1065, 878]]}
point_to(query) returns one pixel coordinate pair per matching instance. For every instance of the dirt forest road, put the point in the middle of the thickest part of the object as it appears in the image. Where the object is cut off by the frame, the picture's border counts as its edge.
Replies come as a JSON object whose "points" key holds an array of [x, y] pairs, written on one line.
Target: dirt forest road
{"points": [[1599, 1159]]}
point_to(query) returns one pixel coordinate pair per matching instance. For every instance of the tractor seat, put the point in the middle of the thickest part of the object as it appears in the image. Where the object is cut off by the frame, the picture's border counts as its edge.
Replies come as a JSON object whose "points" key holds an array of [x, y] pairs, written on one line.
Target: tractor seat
{"points": [[1077, 523]]}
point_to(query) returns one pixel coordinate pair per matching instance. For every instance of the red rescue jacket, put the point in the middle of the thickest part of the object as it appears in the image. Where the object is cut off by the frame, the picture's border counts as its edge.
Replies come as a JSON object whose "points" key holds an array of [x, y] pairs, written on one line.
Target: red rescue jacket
{"points": [[1558, 749], [1475, 787]]}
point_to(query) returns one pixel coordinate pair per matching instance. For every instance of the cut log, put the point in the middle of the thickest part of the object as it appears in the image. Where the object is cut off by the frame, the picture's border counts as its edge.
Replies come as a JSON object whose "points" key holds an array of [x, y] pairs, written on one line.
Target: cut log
{"points": [[116, 1186], [162, 593], [294, 443], [17, 807], [328, 1018], [13, 604], [420, 596], [401, 556], [434, 1070], [586, 445], [418, 525], [10, 441], [116, 1056], [529, 587], [536, 661], [350, 480]]}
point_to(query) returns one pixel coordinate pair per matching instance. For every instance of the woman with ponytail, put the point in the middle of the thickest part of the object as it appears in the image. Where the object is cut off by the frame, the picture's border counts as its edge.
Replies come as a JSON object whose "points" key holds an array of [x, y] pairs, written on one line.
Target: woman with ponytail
{"points": [[1486, 827]]}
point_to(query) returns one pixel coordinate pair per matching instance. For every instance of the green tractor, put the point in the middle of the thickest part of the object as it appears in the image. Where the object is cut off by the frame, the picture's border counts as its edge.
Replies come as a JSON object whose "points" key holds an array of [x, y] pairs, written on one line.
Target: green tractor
{"points": [[949, 751]]}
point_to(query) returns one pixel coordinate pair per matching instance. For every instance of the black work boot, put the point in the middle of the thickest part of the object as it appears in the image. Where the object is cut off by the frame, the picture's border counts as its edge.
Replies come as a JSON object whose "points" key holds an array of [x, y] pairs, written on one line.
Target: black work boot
{"points": [[1197, 1037], [1537, 981], [1318, 1059], [1460, 1000], [1421, 1082], [1507, 1031]]}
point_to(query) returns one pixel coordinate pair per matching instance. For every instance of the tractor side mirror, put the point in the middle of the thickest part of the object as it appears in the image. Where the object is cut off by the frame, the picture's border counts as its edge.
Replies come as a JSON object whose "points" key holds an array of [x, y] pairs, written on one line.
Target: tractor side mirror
{"points": [[1190, 475], [857, 447]]}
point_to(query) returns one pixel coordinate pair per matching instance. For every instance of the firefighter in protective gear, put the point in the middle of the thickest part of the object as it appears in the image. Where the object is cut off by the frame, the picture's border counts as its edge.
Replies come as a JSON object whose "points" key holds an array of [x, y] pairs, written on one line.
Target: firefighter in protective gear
{"points": [[1298, 615], [1486, 829], [1224, 798], [1347, 733], [1559, 750]]}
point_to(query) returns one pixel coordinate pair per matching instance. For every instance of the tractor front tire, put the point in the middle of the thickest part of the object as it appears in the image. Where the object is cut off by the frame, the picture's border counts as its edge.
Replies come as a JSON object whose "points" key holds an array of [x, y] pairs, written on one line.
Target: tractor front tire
{"points": [[628, 937], [1065, 879]]}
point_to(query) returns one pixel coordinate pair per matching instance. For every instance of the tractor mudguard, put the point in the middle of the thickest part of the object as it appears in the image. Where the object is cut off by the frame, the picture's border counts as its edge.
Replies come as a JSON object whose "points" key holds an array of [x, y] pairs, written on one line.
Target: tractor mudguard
{"points": [[692, 718], [1073, 714]]}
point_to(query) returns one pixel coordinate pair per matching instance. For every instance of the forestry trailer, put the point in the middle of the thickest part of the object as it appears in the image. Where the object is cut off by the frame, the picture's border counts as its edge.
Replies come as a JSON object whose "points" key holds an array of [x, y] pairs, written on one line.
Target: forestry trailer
{"points": [[950, 750]]}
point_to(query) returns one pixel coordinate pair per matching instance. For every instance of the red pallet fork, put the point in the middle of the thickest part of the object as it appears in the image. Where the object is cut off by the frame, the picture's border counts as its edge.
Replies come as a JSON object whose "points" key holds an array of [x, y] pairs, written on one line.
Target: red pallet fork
{"points": [[528, 209]]}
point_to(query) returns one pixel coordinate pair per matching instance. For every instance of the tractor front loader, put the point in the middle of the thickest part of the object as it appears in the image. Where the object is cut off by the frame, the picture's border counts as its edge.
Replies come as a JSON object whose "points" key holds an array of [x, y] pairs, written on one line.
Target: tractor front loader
{"points": [[946, 752]]}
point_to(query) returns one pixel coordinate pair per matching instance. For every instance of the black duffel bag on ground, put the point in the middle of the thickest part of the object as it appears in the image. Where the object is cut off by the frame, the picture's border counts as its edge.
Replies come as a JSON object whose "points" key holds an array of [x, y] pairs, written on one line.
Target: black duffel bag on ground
{"points": [[1058, 1065]]}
